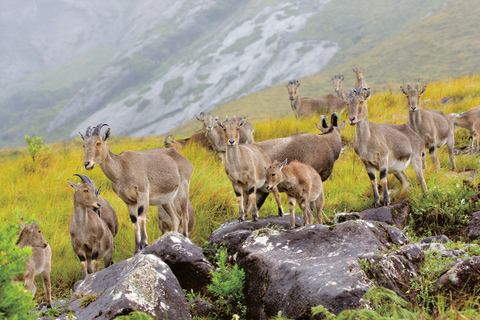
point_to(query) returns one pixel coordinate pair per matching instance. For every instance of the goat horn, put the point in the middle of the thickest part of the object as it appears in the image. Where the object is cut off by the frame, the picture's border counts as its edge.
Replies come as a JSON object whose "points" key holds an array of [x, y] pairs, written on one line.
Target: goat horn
{"points": [[96, 132], [324, 121], [165, 143], [351, 92], [226, 118], [85, 179], [234, 118], [360, 90], [416, 86], [88, 133], [334, 119]]}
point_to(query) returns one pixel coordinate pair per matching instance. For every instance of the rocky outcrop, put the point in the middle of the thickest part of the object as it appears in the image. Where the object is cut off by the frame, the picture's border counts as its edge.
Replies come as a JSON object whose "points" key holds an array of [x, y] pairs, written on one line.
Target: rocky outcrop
{"points": [[473, 230], [142, 283], [186, 259], [289, 271], [394, 215], [464, 276]]}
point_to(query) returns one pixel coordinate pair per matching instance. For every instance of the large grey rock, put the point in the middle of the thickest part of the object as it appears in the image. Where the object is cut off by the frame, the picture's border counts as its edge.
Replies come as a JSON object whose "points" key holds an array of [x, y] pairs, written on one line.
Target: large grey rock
{"points": [[185, 258], [290, 271], [463, 276], [436, 239], [142, 283], [233, 233], [473, 230]]}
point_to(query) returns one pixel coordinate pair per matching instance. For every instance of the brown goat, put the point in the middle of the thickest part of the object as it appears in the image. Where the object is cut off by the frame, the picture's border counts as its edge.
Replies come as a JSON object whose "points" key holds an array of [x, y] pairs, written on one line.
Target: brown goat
{"points": [[359, 76], [387, 148], [215, 134], [338, 85], [469, 120], [165, 223], [301, 183], [141, 179], [91, 237], [320, 151], [434, 126], [39, 263], [198, 138], [245, 167], [304, 107]]}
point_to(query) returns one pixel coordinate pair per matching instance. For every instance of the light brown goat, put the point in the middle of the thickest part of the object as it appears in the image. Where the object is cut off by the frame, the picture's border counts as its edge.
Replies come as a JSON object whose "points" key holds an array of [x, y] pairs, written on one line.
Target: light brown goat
{"points": [[434, 126], [143, 178], [215, 134], [469, 120], [320, 151], [338, 85], [198, 138], [359, 76], [40, 261], [91, 237], [301, 183], [387, 148], [304, 107], [245, 167]]}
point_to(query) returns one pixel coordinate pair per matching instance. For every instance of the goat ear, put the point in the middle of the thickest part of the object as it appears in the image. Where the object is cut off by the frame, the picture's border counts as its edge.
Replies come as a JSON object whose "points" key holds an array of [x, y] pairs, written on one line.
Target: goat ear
{"points": [[322, 129], [403, 90], [298, 83], [107, 134], [216, 118], [367, 94], [242, 122], [283, 164], [81, 136], [341, 125], [423, 90], [73, 185], [97, 193]]}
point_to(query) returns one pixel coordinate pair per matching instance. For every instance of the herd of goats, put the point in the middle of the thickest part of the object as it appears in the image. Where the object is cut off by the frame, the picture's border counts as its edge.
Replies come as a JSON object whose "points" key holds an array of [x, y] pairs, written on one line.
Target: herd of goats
{"points": [[161, 176]]}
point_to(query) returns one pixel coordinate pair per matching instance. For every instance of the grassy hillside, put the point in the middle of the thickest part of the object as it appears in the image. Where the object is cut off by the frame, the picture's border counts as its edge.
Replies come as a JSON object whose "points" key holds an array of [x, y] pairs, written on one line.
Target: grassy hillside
{"points": [[422, 47], [40, 191]]}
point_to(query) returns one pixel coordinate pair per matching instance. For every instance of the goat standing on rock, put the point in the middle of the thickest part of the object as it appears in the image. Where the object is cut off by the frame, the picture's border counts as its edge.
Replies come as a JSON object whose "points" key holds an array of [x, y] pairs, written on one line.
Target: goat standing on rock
{"points": [[39, 263], [434, 126], [245, 167], [387, 148], [91, 237], [145, 178], [301, 183]]}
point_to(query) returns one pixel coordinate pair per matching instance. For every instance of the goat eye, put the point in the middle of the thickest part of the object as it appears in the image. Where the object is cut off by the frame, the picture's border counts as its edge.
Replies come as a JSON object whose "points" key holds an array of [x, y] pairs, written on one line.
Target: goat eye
{"points": [[85, 191], [98, 144]]}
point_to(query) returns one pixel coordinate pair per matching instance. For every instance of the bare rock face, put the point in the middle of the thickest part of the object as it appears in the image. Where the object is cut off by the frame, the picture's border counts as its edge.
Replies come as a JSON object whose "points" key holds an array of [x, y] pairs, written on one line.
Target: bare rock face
{"points": [[289, 271], [142, 283], [473, 230], [185, 258], [463, 276]]}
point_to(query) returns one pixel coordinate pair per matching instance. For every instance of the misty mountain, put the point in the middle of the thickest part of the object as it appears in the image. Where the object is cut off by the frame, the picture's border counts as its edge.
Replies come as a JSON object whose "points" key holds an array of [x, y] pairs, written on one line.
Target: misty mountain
{"points": [[145, 67]]}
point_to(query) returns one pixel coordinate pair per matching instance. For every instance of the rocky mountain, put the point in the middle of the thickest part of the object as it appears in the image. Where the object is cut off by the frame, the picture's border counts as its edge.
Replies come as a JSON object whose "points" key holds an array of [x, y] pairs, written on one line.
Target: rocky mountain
{"points": [[145, 67]]}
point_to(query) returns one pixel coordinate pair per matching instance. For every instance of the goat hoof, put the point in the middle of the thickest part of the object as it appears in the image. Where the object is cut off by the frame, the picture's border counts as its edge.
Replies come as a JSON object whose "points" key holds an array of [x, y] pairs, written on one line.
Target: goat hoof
{"points": [[280, 213], [240, 220], [292, 227], [255, 219]]}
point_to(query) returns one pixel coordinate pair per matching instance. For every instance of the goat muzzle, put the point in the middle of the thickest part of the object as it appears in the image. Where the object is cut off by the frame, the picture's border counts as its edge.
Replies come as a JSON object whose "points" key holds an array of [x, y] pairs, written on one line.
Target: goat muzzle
{"points": [[291, 98], [352, 121], [89, 166]]}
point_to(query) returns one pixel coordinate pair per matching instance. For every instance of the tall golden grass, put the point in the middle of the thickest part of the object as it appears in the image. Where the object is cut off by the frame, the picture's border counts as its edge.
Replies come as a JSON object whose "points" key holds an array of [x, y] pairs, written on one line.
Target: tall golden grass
{"points": [[40, 191]]}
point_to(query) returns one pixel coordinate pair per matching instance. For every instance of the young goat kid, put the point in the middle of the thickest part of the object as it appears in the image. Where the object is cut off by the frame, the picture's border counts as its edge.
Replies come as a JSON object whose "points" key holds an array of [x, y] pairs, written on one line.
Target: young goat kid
{"points": [[40, 261], [434, 126], [387, 147], [301, 183], [91, 238], [245, 167]]}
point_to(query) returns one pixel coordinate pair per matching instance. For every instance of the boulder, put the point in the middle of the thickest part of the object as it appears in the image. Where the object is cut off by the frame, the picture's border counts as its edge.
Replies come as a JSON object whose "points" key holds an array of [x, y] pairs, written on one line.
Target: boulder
{"points": [[185, 258], [233, 233], [436, 239], [289, 271], [473, 230], [142, 283], [394, 215], [200, 307], [464, 276]]}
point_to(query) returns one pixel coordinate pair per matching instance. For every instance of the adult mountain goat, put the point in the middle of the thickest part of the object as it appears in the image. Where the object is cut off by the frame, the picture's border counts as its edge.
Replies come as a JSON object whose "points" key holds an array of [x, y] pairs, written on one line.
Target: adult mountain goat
{"points": [[145, 178], [387, 148]]}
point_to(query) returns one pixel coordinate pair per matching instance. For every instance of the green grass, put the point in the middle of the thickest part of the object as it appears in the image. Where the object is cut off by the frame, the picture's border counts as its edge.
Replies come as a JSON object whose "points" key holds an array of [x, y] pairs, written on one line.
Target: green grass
{"points": [[40, 190]]}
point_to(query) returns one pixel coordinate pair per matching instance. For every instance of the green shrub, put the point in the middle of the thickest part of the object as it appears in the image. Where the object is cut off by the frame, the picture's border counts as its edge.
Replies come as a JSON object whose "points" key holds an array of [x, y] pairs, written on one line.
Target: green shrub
{"points": [[136, 316], [34, 146], [15, 303]]}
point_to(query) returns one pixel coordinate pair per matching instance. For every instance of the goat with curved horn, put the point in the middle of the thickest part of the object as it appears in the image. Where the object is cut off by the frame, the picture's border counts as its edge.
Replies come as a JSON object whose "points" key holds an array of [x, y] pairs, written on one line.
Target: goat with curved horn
{"points": [[145, 178]]}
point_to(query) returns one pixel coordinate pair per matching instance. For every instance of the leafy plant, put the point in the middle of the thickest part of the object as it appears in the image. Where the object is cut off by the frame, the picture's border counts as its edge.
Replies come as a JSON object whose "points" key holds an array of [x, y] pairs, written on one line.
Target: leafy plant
{"points": [[227, 287], [34, 146], [15, 303], [136, 316]]}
